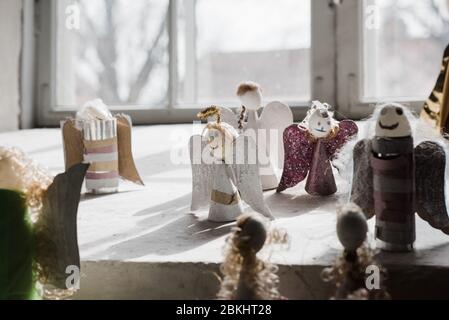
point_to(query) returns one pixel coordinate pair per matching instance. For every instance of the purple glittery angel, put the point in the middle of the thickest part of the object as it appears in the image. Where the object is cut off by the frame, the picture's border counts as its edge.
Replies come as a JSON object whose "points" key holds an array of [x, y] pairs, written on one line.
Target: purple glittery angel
{"points": [[310, 147]]}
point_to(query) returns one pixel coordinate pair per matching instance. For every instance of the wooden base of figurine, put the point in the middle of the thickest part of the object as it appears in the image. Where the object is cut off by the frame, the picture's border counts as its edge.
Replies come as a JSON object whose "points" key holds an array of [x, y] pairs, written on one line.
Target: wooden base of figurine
{"points": [[269, 182], [225, 213]]}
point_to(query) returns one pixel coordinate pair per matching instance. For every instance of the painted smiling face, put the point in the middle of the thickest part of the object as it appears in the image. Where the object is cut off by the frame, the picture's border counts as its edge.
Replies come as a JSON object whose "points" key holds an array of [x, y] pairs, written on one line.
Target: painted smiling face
{"points": [[320, 123], [393, 123]]}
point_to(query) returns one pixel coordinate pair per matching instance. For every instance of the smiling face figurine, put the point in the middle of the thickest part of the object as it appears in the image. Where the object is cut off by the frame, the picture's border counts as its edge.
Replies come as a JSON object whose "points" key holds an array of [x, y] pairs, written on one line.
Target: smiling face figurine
{"points": [[393, 123], [393, 180], [310, 147], [392, 164], [320, 123]]}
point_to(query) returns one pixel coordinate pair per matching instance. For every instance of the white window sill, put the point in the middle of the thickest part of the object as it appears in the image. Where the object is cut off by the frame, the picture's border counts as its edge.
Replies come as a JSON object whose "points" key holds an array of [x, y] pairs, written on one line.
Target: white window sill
{"points": [[143, 243]]}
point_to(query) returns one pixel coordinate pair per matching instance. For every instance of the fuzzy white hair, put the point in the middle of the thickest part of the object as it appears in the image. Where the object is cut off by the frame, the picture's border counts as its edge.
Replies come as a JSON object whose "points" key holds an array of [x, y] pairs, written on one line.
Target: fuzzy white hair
{"points": [[421, 131]]}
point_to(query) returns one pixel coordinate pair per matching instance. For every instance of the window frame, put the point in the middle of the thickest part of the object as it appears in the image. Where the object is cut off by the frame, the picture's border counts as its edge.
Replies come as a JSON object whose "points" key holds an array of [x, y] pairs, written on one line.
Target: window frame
{"points": [[322, 69], [350, 64]]}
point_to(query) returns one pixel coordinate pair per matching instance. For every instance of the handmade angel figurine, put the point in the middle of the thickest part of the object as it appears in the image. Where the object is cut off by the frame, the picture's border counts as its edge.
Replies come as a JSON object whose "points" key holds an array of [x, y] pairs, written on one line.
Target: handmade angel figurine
{"points": [[310, 148], [38, 228], [224, 171], [349, 271], [247, 277], [265, 129], [103, 140], [436, 109], [393, 180]]}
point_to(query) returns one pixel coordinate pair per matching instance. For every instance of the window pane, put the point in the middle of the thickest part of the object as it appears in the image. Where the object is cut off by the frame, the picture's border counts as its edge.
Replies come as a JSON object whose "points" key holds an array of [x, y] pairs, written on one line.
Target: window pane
{"points": [[404, 42], [236, 40], [118, 52]]}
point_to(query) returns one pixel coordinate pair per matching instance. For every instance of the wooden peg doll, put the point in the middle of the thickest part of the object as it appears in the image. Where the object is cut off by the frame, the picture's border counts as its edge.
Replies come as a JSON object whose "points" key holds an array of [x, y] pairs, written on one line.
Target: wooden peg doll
{"points": [[349, 271], [246, 276]]}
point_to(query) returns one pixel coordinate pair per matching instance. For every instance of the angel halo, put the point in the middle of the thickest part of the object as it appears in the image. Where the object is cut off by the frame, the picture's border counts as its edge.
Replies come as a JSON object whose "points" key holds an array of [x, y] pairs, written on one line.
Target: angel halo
{"points": [[266, 129], [311, 146], [224, 171]]}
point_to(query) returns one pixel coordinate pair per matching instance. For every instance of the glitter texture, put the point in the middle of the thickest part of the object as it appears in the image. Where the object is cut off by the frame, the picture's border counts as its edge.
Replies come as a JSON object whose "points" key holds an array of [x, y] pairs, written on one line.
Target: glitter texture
{"points": [[306, 155]]}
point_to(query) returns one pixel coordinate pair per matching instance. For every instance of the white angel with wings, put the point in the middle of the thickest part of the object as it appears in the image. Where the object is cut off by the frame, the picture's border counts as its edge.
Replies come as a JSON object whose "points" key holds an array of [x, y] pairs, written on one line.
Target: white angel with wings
{"points": [[274, 119], [225, 171]]}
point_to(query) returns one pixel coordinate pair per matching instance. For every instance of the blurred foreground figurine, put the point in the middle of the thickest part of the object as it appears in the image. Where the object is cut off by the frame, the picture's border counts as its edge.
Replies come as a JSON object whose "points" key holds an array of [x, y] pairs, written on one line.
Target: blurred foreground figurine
{"points": [[103, 140], [350, 270], [246, 277], [272, 122], [38, 228], [436, 109], [224, 168], [393, 180], [310, 147]]}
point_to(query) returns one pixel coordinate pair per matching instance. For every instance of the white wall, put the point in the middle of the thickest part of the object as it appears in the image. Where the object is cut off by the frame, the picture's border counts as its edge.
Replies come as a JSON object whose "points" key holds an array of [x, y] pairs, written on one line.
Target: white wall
{"points": [[10, 44]]}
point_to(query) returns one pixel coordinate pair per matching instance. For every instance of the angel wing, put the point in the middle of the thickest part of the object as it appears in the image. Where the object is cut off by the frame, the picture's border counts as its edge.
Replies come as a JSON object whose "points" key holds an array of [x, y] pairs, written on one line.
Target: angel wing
{"points": [[362, 181], [276, 116], [74, 147], [430, 175], [347, 129], [201, 173], [56, 229], [127, 166], [298, 157], [245, 173], [228, 116], [72, 143]]}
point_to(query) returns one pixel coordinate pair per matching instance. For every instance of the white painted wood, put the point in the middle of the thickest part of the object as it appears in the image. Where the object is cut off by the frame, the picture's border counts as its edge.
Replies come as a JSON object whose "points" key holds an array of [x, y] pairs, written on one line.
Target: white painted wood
{"points": [[222, 182], [173, 49], [27, 80], [10, 50], [190, 80], [323, 52], [351, 64]]}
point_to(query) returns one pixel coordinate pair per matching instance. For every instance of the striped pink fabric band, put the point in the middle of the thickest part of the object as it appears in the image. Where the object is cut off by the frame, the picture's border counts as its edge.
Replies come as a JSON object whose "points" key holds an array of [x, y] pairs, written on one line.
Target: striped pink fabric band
{"points": [[107, 149], [91, 175]]}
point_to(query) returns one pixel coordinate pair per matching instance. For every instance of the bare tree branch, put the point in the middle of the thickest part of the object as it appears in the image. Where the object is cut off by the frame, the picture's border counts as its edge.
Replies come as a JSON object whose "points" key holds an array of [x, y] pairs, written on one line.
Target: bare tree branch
{"points": [[103, 37], [107, 52], [154, 55], [427, 22]]}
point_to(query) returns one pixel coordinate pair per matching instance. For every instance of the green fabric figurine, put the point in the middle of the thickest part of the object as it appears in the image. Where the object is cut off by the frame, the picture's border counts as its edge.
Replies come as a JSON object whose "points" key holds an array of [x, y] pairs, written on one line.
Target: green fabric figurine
{"points": [[38, 236], [16, 249]]}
